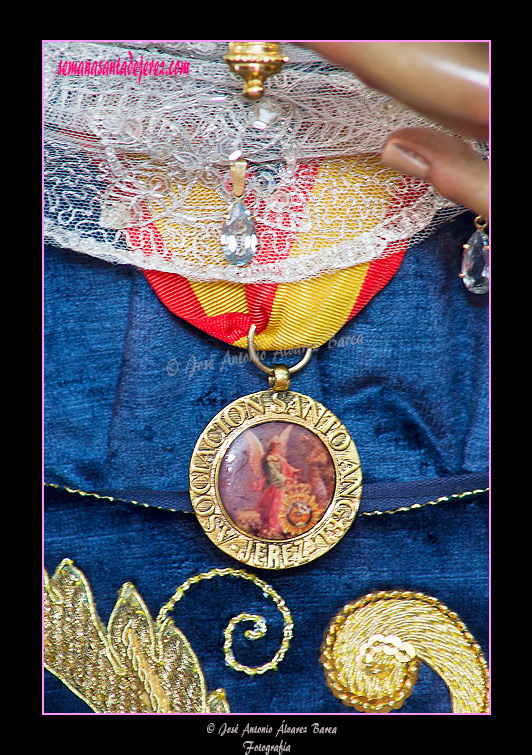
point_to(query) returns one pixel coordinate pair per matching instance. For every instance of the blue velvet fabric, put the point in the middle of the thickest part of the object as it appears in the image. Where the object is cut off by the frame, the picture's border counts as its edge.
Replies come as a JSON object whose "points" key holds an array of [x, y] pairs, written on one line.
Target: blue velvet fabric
{"points": [[129, 388]]}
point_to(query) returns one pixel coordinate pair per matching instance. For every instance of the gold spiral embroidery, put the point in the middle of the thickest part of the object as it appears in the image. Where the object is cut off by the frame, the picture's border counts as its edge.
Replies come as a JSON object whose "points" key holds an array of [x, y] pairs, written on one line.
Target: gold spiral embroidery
{"points": [[374, 647], [260, 626], [133, 666]]}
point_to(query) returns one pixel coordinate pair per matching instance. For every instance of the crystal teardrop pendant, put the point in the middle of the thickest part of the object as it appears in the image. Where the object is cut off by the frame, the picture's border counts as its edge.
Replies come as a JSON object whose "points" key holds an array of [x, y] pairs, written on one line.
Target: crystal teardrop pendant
{"points": [[238, 238], [475, 263]]}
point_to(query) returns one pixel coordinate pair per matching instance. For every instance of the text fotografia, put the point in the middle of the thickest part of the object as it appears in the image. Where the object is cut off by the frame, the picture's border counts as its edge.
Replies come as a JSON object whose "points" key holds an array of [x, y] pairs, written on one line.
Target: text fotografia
{"points": [[277, 749], [123, 67]]}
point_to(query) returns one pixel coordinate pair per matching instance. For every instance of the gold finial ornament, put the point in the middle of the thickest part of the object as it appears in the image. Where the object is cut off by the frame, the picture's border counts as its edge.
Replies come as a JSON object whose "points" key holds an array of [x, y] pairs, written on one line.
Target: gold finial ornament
{"points": [[254, 62]]}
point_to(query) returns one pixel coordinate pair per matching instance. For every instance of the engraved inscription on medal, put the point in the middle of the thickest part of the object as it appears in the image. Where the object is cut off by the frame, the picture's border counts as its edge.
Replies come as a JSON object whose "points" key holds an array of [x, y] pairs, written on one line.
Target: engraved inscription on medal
{"points": [[275, 479]]}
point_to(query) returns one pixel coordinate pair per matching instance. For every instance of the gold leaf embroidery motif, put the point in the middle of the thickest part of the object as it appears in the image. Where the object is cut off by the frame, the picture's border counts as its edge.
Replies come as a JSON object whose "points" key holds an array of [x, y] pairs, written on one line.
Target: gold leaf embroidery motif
{"points": [[133, 666], [374, 647]]}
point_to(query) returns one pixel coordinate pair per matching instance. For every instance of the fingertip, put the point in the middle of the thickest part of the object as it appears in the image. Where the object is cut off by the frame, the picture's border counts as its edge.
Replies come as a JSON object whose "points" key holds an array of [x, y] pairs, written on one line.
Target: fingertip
{"points": [[450, 165]]}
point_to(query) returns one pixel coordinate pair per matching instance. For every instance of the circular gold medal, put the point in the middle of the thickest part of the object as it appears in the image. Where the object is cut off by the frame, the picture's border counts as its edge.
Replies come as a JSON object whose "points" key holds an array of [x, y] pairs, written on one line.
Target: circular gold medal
{"points": [[275, 479]]}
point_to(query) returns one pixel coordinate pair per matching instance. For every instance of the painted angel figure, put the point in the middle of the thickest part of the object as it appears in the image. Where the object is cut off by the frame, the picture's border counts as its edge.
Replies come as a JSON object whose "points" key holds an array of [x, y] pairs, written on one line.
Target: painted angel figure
{"points": [[272, 472], [264, 494]]}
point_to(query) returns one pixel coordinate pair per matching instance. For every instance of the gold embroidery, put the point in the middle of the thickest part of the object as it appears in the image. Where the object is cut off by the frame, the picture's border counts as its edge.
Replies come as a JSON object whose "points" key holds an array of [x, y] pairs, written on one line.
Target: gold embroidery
{"points": [[251, 634], [138, 665], [373, 649], [133, 666]]}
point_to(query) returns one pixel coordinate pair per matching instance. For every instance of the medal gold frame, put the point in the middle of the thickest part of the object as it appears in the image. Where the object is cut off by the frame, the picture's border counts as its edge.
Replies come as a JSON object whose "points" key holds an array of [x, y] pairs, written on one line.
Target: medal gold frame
{"points": [[257, 549]]}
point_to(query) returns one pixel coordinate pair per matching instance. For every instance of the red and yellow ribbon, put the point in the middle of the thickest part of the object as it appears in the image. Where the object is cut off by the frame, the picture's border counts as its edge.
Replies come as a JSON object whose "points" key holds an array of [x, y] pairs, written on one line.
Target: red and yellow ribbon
{"points": [[288, 315]]}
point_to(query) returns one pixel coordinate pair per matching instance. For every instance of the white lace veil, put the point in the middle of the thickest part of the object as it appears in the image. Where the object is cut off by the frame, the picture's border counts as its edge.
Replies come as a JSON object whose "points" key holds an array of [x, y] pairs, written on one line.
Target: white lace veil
{"points": [[136, 167]]}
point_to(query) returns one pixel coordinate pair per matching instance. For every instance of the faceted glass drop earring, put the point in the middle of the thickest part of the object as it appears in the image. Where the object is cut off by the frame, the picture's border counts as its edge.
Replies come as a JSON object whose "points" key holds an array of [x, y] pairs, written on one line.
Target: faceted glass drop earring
{"points": [[475, 260], [238, 238]]}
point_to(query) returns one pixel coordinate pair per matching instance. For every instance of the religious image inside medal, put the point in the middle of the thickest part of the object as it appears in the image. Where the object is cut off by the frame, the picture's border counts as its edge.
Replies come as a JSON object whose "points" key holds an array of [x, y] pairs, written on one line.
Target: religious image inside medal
{"points": [[276, 480]]}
